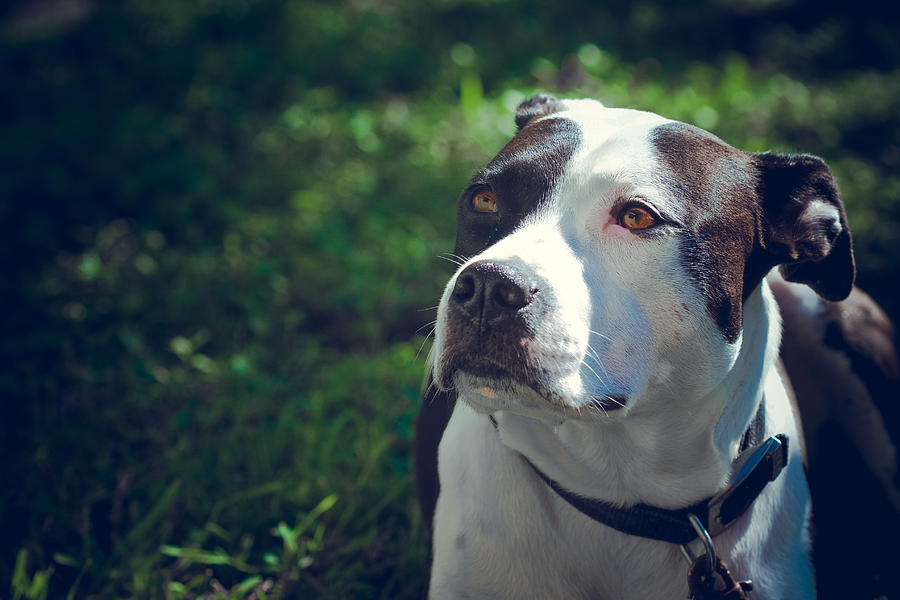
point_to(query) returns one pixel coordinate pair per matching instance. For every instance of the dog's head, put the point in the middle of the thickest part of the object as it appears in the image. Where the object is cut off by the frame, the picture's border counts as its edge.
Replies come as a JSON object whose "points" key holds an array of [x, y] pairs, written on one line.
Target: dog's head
{"points": [[607, 251]]}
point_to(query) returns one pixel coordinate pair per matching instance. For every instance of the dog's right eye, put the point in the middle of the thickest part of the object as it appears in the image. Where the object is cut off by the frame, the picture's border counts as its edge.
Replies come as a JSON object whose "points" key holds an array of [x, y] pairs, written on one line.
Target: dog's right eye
{"points": [[485, 201]]}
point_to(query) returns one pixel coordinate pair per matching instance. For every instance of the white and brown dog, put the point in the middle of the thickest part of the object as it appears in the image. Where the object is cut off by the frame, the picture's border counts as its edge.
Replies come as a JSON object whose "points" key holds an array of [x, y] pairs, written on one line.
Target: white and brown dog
{"points": [[614, 342]]}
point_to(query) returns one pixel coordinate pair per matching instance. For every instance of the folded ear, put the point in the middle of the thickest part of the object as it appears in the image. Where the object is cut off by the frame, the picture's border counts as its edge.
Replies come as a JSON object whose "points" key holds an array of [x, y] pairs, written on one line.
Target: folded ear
{"points": [[804, 223], [539, 106]]}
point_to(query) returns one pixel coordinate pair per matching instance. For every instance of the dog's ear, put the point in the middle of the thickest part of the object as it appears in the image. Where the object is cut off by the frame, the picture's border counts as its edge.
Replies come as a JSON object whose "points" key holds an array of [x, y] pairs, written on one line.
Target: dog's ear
{"points": [[539, 106], [804, 223]]}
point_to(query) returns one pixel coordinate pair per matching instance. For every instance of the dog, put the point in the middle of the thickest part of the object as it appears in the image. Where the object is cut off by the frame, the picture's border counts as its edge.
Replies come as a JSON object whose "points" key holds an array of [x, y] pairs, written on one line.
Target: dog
{"points": [[605, 382]]}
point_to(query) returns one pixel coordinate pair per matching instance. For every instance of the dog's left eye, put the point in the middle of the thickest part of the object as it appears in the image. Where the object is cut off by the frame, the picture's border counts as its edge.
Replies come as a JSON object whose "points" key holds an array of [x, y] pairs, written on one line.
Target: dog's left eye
{"points": [[485, 201], [637, 217]]}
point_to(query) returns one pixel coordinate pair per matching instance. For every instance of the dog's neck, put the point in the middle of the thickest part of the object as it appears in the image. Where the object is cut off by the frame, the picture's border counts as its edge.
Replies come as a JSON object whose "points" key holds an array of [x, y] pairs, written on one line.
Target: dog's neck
{"points": [[670, 457]]}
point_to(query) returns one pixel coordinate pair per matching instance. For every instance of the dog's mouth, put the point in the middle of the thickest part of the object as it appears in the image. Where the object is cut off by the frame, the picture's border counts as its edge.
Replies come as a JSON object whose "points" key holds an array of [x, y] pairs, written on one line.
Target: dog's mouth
{"points": [[494, 374], [488, 386]]}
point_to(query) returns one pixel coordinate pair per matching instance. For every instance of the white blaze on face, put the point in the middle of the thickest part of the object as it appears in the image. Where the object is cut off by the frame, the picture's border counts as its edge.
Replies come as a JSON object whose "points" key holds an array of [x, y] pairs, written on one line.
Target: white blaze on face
{"points": [[648, 320], [560, 337]]}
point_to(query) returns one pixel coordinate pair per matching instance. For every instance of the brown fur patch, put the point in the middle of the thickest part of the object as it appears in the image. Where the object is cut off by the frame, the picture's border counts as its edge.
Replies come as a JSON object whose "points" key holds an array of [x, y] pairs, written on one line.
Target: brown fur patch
{"points": [[715, 184]]}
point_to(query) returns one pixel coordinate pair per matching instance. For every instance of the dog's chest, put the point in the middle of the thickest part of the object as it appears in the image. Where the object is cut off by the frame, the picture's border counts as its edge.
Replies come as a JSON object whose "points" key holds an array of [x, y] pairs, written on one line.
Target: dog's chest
{"points": [[500, 533]]}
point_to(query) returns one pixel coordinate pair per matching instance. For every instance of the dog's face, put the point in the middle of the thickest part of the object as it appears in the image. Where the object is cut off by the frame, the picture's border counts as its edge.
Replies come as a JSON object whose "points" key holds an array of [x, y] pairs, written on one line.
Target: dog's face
{"points": [[607, 250]]}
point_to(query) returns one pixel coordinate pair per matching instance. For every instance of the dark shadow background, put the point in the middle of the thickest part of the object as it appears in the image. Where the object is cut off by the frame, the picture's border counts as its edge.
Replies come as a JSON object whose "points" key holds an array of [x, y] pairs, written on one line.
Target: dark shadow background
{"points": [[220, 224]]}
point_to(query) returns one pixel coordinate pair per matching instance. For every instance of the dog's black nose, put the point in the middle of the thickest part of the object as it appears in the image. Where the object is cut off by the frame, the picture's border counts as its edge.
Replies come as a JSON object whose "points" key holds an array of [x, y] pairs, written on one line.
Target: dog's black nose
{"points": [[486, 290]]}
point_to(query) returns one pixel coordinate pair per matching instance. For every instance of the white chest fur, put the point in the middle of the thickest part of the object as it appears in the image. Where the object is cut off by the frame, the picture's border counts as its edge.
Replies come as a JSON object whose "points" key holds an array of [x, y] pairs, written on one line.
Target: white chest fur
{"points": [[500, 532]]}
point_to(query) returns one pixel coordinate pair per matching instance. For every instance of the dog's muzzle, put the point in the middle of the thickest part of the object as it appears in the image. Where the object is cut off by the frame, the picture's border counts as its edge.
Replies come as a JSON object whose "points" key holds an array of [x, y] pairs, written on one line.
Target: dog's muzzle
{"points": [[489, 320]]}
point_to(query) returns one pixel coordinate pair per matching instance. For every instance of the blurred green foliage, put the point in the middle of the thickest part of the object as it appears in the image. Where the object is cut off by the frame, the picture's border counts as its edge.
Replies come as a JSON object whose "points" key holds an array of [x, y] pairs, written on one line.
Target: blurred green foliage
{"points": [[221, 223]]}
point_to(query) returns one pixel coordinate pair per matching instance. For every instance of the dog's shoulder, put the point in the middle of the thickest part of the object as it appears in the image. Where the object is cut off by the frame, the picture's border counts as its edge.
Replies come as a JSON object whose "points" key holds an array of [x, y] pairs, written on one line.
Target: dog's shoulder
{"points": [[842, 361], [835, 350]]}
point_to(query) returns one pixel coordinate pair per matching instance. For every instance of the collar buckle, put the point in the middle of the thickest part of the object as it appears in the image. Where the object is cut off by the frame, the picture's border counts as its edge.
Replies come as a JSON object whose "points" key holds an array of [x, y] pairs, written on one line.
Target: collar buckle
{"points": [[764, 465]]}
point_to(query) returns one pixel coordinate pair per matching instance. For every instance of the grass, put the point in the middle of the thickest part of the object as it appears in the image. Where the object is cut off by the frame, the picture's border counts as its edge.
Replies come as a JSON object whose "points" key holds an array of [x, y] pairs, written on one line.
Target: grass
{"points": [[217, 307]]}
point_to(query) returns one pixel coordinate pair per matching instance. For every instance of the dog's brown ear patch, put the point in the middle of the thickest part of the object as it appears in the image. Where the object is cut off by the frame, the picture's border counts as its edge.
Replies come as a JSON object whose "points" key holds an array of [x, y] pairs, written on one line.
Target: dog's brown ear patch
{"points": [[805, 226], [539, 106]]}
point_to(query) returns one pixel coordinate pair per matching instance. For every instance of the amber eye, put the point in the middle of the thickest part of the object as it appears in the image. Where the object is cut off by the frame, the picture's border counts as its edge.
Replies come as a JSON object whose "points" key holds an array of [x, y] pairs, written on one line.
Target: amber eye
{"points": [[485, 202], [636, 217]]}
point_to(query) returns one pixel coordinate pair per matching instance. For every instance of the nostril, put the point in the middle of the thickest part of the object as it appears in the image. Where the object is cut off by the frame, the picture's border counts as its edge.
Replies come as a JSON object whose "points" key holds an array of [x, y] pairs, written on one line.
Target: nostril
{"points": [[486, 291], [507, 295], [464, 289]]}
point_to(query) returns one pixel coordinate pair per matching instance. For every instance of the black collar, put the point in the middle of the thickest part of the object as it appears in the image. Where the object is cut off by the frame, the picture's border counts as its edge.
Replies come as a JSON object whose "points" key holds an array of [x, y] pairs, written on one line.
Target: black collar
{"points": [[766, 460]]}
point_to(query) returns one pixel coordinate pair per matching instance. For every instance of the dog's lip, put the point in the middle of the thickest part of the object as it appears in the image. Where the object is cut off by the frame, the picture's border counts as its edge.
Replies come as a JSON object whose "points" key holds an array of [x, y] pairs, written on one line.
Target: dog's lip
{"points": [[493, 377], [495, 391], [494, 383], [481, 367], [489, 394]]}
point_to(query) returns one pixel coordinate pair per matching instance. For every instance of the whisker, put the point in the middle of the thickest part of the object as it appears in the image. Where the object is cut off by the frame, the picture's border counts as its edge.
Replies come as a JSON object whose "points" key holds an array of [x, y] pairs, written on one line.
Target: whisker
{"points": [[430, 393], [598, 408], [429, 324], [600, 379], [453, 258], [615, 401], [425, 341], [600, 364], [592, 353], [604, 336]]}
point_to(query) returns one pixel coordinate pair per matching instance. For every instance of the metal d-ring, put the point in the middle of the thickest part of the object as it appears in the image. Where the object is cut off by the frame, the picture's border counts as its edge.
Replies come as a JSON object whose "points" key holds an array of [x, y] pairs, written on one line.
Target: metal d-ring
{"points": [[711, 558]]}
